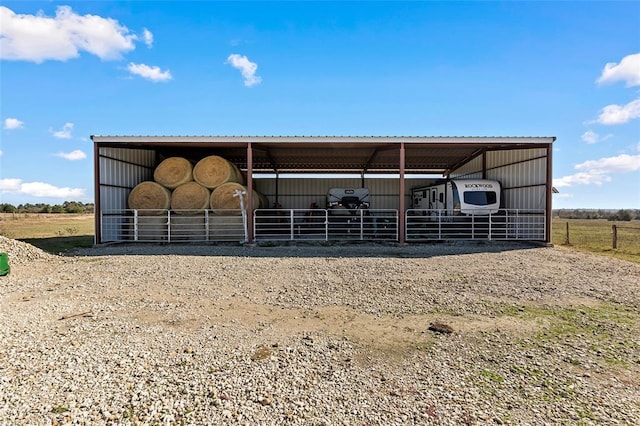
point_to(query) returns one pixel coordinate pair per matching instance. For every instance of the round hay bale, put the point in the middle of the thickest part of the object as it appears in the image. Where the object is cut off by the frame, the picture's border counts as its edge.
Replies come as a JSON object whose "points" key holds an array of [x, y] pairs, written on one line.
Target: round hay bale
{"points": [[151, 197], [223, 198], [264, 201], [213, 171], [173, 172], [190, 198], [239, 176]]}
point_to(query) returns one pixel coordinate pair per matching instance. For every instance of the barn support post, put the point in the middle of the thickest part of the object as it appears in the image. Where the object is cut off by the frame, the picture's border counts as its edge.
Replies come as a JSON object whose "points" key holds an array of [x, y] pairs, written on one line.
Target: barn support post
{"points": [[549, 189], [401, 221], [249, 208], [484, 164], [97, 207], [277, 201]]}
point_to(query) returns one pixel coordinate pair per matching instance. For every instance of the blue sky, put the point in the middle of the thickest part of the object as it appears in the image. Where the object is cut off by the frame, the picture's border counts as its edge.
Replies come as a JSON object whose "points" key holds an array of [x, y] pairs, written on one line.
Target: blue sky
{"points": [[566, 69]]}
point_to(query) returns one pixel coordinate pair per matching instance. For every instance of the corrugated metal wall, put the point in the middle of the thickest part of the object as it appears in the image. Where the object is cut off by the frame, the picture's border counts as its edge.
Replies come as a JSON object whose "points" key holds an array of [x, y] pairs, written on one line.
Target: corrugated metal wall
{"points": [[525, 198], [121, 169], [522, 173], [471, 170], [500, 158], [300, 193]]}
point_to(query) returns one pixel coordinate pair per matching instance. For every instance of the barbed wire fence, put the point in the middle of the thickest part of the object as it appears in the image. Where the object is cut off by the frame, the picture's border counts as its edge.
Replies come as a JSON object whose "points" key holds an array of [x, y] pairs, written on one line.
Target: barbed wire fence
{"points": [[617, 237]]}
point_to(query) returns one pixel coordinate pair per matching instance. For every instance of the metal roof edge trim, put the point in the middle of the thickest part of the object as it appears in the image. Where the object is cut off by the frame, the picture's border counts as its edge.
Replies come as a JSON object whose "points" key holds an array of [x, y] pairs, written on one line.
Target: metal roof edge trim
{"points": [[324, 139]]}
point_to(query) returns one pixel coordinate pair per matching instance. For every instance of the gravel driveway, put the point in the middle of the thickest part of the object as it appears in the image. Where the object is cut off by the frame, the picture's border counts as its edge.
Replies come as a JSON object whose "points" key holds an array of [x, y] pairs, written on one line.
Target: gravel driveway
{"points": [[319, 335]]}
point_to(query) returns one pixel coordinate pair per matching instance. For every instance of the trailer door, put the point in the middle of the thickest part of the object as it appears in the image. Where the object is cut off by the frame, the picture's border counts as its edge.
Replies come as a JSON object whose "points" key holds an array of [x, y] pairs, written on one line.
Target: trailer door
{"points": [[433, 202]]}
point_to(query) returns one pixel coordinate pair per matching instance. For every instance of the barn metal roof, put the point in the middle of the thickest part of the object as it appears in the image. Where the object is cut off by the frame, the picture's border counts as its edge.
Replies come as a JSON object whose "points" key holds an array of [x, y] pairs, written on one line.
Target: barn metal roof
{"points": [[372, 154]]}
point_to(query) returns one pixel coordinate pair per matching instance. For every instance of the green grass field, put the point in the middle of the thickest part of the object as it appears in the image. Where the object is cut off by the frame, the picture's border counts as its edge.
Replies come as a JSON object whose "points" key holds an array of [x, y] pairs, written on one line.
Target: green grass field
{"points": [[595, 235], [57, 233], [53, 233]]}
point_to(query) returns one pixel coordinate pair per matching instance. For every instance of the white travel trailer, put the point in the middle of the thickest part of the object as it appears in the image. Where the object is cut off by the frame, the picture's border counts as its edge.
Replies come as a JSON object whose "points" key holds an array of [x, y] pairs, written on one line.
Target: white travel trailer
{"points": [[458, 197]]}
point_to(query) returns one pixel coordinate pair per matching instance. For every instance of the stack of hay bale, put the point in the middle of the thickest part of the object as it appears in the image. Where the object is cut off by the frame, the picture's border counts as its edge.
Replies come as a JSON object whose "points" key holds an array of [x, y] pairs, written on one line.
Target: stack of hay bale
{"points": [[189, 190]]}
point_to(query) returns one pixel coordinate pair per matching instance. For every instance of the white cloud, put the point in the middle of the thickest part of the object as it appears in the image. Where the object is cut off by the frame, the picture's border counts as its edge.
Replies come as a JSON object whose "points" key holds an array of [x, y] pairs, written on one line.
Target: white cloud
{"points": [[64, 133], [38, 38], [147, 37], [39, 189], [616, 114], [246, 67], [597, 172], [12, 123], [592, 137], [150, 73], [581, 179], [1, 153], [72, 156], [622, 163], [628, 70], [10, 185]]}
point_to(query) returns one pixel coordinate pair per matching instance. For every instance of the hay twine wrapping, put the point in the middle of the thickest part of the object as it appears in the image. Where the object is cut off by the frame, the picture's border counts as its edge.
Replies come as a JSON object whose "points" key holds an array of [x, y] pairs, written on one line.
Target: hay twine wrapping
{"points": [[190, 198], [151, 197], [224, 202], [173, 172], [213, 171]]}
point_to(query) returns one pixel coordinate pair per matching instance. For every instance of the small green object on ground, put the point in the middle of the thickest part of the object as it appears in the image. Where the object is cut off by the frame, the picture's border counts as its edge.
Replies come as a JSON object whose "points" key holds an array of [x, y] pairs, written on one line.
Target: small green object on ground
{"points": [[4, 264]]}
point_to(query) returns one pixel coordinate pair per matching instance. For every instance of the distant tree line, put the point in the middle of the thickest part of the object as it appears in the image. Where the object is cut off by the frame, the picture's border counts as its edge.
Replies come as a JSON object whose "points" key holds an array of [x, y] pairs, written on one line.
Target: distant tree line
{"points": [[619, 215], [66, 207]]}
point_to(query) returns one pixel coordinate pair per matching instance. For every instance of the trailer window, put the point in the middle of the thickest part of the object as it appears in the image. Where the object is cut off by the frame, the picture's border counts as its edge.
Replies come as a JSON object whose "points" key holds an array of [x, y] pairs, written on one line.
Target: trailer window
{"points": [[480, 198]]}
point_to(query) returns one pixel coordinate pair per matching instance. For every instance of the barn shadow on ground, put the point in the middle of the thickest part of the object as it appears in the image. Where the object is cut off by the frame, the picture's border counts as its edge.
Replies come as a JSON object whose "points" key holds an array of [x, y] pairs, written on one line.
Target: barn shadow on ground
{"points": [[319, 250], [61, 245]]}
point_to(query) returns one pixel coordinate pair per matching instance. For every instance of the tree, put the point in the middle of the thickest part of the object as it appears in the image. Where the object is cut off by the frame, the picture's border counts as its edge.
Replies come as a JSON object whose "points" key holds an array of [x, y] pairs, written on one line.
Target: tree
{"points": [[7, 208], [623, 215], [73, 207]]}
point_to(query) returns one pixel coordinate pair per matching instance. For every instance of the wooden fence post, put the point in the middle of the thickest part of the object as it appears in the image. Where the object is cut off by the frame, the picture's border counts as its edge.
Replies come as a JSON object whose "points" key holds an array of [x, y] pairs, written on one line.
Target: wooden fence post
{"points": [[566, 237], [614, 236]]}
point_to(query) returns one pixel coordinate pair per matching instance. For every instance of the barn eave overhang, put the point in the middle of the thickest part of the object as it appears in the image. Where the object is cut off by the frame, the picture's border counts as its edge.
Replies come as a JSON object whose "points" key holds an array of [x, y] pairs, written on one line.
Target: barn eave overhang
{"points": [[332, 154]]}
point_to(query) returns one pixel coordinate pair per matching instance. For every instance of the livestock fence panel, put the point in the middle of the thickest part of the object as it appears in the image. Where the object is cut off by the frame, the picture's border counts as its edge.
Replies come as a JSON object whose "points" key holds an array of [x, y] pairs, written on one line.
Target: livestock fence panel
{"points": [[134, 225], [325, 224], [167, 226], [505, 224]]}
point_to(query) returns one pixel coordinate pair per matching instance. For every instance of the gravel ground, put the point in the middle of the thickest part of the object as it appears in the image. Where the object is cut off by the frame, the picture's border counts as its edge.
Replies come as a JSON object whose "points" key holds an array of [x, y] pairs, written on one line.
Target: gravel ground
{"points": [[319, 335]]}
